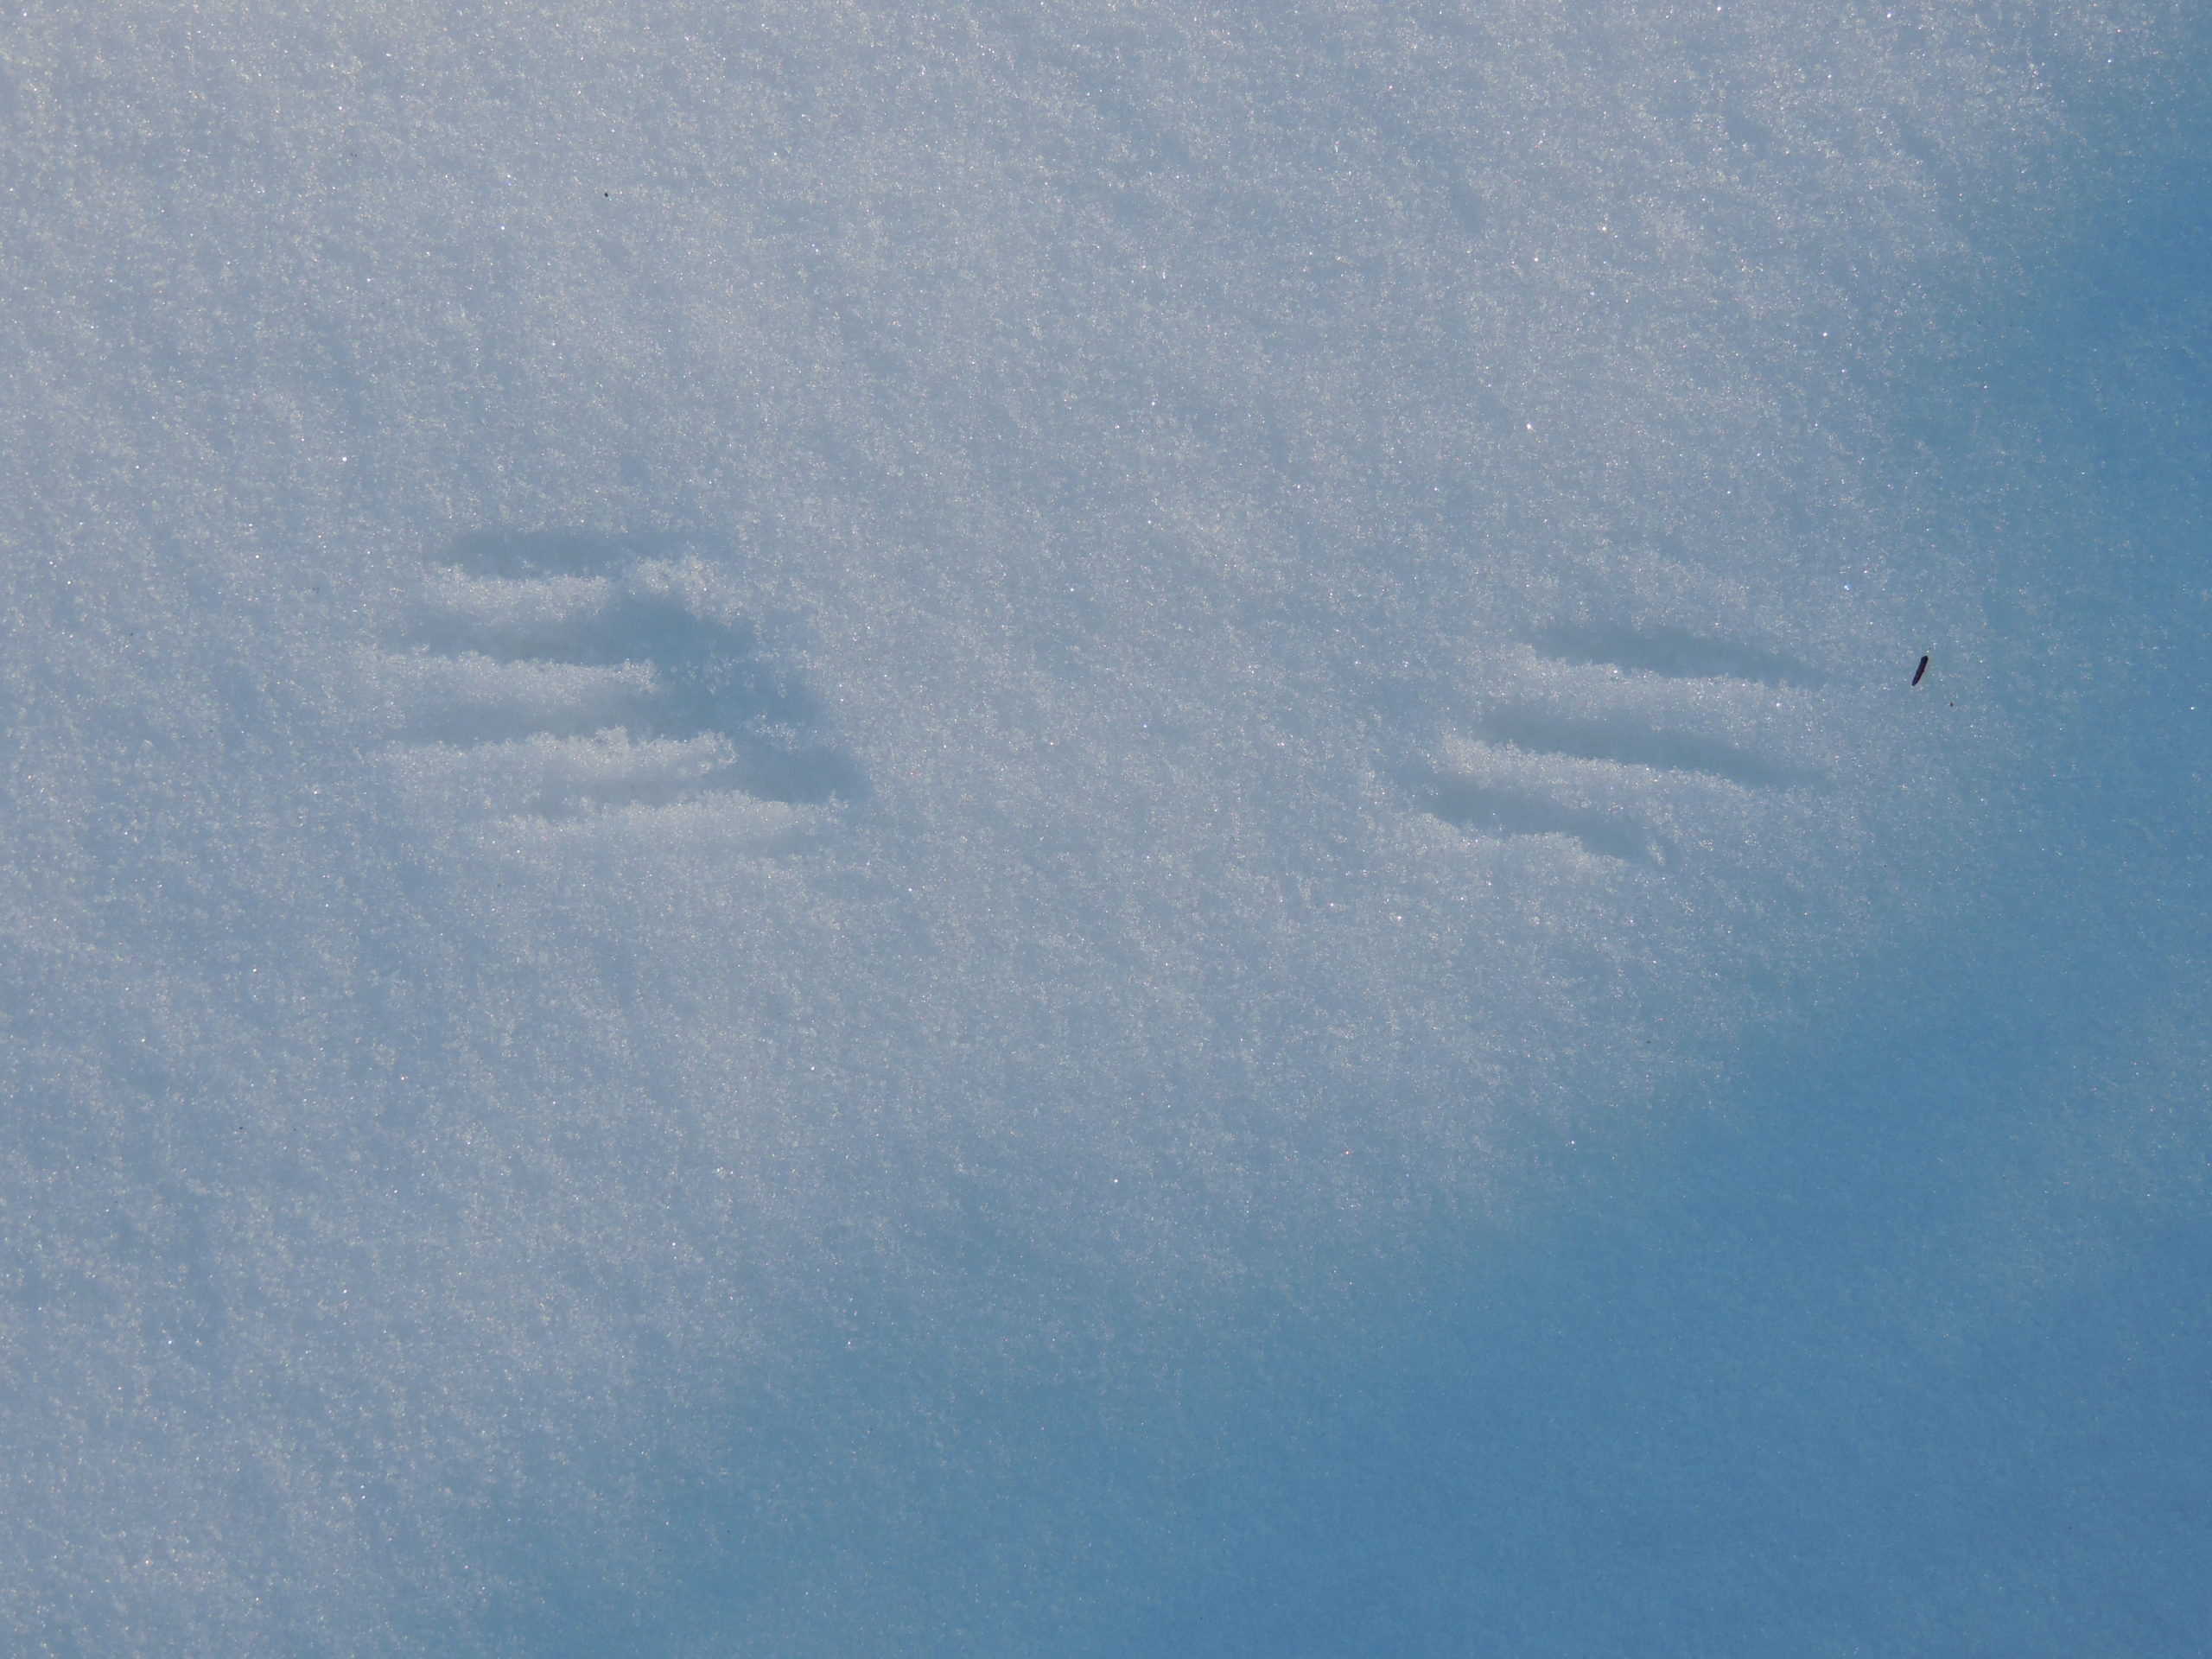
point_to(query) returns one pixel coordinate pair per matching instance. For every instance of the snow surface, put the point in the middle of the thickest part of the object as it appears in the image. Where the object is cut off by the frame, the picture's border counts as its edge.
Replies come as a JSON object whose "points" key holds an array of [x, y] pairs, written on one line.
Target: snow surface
{"points": [[1097, 828]]}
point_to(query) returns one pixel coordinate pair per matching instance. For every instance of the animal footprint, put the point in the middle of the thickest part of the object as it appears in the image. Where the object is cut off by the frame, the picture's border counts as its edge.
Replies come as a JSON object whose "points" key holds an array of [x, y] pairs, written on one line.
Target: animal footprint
{"points": [[1633, 743], [556, 676]]}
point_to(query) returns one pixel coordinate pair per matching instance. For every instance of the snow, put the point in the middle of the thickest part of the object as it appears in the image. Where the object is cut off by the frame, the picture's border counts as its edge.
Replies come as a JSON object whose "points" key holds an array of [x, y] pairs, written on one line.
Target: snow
{"points": [[1100, 829]]}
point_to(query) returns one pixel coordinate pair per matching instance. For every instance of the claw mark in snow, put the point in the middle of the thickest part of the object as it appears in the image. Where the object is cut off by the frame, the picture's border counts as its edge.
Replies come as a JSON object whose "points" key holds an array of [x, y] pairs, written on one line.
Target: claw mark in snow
{"points": [[551, 676], [1627, 742]]}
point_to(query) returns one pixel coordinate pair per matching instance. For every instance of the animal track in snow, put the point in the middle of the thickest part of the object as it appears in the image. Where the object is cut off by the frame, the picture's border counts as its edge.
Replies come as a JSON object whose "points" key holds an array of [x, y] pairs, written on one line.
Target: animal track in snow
{"points": [[1630, 742], [1673, 654], [552, 676]]}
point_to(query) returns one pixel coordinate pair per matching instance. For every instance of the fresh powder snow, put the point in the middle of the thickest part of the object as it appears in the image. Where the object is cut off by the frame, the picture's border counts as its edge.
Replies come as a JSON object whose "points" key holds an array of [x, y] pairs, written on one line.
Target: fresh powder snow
{"points": [[1106, 828]]}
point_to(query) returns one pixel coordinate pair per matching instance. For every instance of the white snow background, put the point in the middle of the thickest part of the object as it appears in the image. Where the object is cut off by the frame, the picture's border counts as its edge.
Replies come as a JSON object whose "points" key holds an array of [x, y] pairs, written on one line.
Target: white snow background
{"points": [[1096, 828]]}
